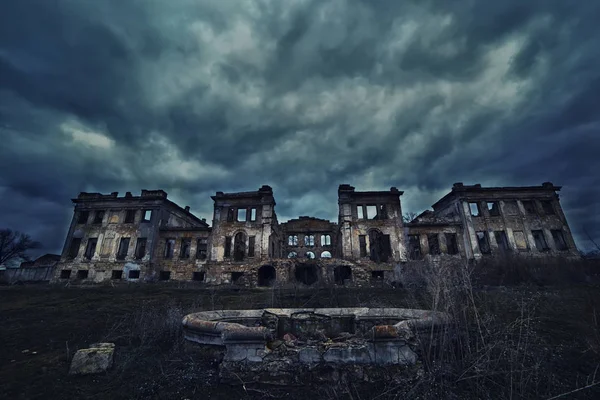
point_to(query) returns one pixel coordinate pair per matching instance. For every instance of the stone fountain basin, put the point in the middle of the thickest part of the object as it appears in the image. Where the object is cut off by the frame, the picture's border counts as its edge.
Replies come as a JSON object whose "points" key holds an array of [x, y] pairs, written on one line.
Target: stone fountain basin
{"points": [[380, 336]]}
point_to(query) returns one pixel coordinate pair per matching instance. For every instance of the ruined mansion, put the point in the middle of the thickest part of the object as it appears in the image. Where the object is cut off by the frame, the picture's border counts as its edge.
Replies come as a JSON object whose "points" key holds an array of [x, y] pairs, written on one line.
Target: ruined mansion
{"points": [[150, 238]]}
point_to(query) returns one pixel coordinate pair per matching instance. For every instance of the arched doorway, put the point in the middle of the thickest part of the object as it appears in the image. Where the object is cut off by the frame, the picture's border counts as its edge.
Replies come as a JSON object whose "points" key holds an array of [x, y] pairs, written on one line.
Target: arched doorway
{"points": [[239, 246], [379, 246], [306, 274], [342, 273], [266, 275]]}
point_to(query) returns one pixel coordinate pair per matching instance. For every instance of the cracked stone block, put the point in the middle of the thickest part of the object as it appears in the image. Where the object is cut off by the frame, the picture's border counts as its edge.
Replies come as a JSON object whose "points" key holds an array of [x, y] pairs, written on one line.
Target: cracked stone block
{"points": [[98, 358]]}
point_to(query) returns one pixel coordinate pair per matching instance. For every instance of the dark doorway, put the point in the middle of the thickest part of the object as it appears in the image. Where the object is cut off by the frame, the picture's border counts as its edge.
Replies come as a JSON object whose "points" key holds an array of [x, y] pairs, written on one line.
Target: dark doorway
{"points": [[306, 274], [236, 276], [379, 246], [266, 275], [342, 273], [239, 246]]}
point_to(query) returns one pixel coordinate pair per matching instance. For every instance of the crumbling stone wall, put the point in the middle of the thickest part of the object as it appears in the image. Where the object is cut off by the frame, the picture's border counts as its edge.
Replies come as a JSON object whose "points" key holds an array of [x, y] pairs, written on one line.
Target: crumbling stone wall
{"points": [[307, 235]]}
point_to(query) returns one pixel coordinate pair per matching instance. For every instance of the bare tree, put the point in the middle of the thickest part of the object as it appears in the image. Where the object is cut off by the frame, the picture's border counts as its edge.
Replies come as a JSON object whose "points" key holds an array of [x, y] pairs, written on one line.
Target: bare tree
{"points": [[409, 216], [14, 244]]}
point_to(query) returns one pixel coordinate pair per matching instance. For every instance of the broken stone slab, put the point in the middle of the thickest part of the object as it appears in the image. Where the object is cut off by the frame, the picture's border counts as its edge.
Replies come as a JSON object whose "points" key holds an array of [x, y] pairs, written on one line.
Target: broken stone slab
{"points": [[93, 360]]}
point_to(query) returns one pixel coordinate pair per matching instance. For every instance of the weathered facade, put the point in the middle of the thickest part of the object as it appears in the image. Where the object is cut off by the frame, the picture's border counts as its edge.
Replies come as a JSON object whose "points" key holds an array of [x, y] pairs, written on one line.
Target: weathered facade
{"points": [[148, 237]]}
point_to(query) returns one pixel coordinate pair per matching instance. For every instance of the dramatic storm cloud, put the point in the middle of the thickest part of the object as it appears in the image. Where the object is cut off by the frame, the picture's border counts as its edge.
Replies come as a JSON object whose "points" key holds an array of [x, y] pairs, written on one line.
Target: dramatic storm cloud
{"points": [[201, 96]]}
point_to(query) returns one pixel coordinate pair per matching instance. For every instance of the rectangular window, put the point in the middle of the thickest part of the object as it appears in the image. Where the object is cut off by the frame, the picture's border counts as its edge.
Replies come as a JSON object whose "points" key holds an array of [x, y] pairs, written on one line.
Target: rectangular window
{"points": [[65, 274], [186, 245], [540, 240], [484, 244], [451, 243], [293, 240], [202, 249], [371, 212], [98, 217], [123, 249], [147, 215], [140, 248], [241, 214], [511, 208], [309, 240], [529, 207], [129, 216], [474, 208], [83, 217], [520, 240], [501, 240], [362, 241], [548, 207], [164, 275], [253, 214], [134, 274], [117, 274], [230, 212], [74, 248], [493, 208], [559, 239], [434, 243], [251, 241], [169, 248], [83, 274], [414, 247], [90, 248], [198, 276], [360, 212], [228, 246], [383, 211]]}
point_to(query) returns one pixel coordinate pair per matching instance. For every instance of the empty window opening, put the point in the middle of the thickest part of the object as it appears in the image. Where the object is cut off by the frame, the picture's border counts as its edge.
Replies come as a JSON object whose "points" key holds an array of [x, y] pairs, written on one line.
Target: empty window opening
{"points": [[293, 240], [310, 255], [377, 275], [309, 240], [371, 212], [117, 274], [548, 207], [474, 208], [123, 249], [83, 217], [146, 215], [342, 274], [360, 212], [266, 275], [230, 214], [227, 246], [83, 274], [202, 249], [235, 276], [198, 276], [529, 207], [520, 240], [129, 216], [292, 254], [186, 245], [326, 254], [65, 274], [493, 208], [239, 246], [559, 239], [306, 274], [484, 244], [98, 217], [134, 274], [253, 214], [325, 240], [362, 244], [164, 275], [382, 214], [251, 245], [90, 248], [74, 248], [501, 240], [140, 248], [379, 246], [451, 243], [169, 248], [241, 214], [434, 244], [414, 247], [540, 240]]}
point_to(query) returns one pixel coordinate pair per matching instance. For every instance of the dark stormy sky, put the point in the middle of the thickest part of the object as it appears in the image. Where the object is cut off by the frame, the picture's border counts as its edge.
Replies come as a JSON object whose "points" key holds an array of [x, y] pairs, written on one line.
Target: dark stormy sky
{"points": [[199, 96]]}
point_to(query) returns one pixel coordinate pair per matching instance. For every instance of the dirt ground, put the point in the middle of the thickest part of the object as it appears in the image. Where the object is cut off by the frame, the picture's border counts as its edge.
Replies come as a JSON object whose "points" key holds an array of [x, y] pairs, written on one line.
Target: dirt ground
{"points": [[42, 326]]}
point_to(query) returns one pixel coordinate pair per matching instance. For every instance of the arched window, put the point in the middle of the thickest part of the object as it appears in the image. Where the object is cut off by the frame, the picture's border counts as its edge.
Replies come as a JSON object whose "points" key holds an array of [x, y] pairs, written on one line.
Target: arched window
{"points": [[293, 240], [309, 240], [325, 254], [325, 240], [292, 254], [310, 254]]}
